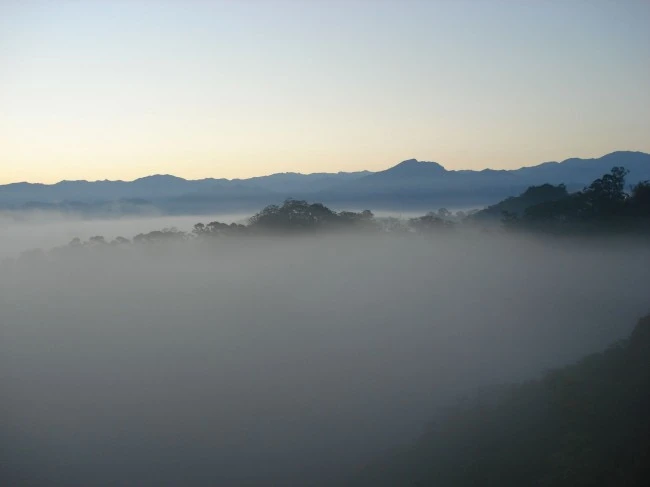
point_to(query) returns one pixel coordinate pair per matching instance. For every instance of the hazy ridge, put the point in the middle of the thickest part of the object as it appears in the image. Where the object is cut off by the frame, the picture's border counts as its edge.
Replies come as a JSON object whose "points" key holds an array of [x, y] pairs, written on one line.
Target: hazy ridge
{"points": [[410, 185]]}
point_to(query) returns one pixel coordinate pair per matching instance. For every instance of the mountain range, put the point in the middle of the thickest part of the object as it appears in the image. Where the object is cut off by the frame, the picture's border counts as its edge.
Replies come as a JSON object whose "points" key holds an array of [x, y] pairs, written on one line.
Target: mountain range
{"points": [[409, 185]]}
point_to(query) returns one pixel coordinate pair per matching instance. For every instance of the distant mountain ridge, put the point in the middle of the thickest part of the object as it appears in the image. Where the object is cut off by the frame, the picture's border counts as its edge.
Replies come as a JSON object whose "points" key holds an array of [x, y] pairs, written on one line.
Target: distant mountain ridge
{"points": [[417, 184], [162, 186], [411, 184]]}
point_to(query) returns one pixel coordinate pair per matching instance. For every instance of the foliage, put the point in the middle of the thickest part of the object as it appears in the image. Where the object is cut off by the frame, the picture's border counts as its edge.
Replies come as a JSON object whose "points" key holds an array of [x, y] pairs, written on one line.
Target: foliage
{"points": [[218, 229], [166, 235], [292, 215], [517, 205], [431, 222], [601, 207]]}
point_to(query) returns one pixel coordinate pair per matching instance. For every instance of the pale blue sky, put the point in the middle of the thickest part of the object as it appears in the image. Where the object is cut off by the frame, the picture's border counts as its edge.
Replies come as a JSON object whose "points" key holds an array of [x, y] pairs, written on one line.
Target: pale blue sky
{"points": [[118, 90]]}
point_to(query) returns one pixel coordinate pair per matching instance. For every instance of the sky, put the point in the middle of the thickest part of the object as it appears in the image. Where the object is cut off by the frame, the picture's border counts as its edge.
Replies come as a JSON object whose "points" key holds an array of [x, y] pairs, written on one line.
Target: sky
{"points": [[124, 89]]}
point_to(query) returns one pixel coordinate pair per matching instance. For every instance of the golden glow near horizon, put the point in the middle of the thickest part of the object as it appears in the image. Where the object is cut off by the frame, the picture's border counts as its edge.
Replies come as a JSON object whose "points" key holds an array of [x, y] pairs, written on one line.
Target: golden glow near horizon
{"points": [[120, 90]]}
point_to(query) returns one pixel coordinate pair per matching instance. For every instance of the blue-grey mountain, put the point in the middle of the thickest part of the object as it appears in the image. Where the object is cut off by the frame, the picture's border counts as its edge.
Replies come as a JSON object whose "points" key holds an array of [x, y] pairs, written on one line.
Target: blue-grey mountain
{"points": [[411, 184]]}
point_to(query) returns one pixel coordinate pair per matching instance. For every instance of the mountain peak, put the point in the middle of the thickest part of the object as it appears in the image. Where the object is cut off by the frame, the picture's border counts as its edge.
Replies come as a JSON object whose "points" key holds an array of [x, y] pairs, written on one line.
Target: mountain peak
{"points": [[408, 162], [413, 165], [410, 169], [160, 177]]}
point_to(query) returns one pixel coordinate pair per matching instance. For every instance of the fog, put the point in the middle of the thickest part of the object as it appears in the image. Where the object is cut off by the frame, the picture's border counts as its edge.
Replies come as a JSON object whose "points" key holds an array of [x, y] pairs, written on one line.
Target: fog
{"points": [[20, 231], [283, 361], [47, 229]]}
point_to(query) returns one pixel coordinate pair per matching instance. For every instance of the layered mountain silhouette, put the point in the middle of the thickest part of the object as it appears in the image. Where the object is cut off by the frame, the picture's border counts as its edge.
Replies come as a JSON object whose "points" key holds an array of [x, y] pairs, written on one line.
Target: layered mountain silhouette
{"points": [[411, 184]]}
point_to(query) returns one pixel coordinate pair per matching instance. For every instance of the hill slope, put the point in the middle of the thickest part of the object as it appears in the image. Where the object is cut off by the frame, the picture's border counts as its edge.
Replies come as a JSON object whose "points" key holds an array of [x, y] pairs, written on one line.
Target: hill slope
{"points": [[583, 425]]}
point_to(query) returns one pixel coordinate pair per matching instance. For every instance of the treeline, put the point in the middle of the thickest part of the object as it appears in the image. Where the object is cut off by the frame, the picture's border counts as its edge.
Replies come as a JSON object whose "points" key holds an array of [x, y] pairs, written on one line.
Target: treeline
{"points": [[603, 206], [290, 218], [586, 424]]}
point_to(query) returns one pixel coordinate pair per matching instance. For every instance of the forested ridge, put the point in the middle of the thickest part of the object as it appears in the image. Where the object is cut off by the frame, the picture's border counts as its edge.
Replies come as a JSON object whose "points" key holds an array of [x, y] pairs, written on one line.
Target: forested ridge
{"points": [[605, 207]]}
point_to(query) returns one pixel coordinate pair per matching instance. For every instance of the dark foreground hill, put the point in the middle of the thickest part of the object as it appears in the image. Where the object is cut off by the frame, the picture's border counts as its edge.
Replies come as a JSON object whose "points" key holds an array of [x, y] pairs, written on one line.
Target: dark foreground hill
{"points": [[582, 425]]}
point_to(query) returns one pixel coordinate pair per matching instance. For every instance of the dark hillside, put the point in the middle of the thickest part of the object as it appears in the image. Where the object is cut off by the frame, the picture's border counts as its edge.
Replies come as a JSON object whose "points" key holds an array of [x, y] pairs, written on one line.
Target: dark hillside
{"points": [[586, 424]]}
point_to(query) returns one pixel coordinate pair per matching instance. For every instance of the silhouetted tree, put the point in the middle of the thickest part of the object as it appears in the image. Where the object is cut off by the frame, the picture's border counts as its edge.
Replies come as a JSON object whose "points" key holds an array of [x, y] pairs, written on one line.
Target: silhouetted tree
{"points": [[166, 235], [603, 206], [518, 205], [120, 241], [293, 215], [606, 195], [216, 229], [639, 200]]}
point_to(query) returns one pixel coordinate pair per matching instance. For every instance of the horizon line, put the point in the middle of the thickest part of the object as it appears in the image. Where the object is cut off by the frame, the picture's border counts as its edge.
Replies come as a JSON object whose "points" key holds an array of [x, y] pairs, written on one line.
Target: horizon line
{"points": [[314, 173]]}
